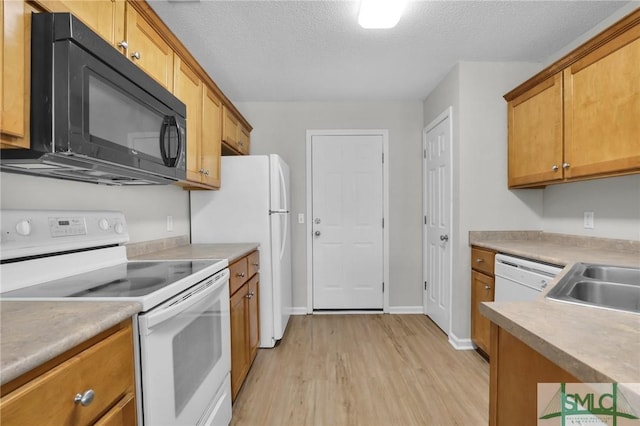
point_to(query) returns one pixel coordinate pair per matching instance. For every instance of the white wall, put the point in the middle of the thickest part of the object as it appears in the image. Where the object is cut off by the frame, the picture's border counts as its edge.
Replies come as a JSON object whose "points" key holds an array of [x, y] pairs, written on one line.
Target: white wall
{"points": [[482, 200], [280, 128], [614, 201], [145, 208]]}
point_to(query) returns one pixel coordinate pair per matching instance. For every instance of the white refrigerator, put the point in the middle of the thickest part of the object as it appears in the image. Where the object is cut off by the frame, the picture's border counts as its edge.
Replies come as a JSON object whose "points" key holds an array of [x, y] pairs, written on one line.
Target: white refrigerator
{"points": [[252, 205]]}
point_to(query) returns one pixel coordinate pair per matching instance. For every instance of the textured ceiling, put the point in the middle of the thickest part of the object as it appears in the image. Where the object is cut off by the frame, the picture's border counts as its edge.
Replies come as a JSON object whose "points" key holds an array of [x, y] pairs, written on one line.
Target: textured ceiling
{"points": [[311, 50]]}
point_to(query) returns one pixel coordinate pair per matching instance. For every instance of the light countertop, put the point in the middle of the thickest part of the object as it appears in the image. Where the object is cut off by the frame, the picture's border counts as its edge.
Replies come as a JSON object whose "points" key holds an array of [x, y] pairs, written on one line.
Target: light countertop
{"points": [[33, 333], [595, 345], [231, 252]]}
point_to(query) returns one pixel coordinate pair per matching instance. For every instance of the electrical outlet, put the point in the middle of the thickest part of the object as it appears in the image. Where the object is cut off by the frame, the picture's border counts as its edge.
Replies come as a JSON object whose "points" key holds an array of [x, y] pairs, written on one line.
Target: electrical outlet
{"points": [[169, 223], [300, 217], [588, 220]]}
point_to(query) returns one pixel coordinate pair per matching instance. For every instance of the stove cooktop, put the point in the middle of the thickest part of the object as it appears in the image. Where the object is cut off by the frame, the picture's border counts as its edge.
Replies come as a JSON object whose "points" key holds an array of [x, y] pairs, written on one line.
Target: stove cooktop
{"points": [[127, 280]]}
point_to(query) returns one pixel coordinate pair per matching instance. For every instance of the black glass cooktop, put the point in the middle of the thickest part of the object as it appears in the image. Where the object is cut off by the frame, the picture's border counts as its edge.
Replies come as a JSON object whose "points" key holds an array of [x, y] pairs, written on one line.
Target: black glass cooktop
{"points": [[131, 279]]}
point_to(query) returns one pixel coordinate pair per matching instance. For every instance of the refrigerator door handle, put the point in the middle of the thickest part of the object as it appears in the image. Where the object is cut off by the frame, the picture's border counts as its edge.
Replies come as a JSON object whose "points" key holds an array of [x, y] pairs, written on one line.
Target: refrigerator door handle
{"points": [[283, 242], [283, 189]]}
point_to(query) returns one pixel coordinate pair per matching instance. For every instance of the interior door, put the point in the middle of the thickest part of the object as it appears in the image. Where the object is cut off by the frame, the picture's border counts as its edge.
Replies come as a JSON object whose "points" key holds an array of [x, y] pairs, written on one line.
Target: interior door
{"points": [[437, 221], [347, 215]]}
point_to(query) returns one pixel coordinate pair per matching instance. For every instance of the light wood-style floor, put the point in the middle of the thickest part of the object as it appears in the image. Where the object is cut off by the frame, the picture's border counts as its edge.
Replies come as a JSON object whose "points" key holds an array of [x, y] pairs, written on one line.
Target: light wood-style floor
{"points": [[364, 370]]}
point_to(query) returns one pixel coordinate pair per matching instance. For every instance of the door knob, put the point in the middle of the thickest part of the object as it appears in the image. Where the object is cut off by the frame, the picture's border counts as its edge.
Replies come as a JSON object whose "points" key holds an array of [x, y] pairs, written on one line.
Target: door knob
{"points": [[317, 233], [444, 237]]}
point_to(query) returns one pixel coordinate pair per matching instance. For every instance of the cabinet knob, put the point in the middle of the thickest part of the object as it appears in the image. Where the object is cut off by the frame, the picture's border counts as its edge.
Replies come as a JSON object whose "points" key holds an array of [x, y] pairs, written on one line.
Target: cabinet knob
{"points": [[256, 264], [206, 172], [123, 44], [240, 274], [486, 287], [554, 168], [566, 165], [250, 295], [479, 260], [136, 55], [85, 398]]}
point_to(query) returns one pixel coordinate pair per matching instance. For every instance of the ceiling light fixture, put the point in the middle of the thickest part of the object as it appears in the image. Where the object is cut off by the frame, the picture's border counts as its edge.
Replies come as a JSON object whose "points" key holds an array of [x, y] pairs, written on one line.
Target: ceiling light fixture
{"points": [[380, 13]]}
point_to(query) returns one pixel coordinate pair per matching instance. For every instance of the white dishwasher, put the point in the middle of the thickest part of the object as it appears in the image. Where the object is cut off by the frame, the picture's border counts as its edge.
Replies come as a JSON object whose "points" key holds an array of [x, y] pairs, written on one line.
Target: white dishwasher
{"points": [[519, 280]]}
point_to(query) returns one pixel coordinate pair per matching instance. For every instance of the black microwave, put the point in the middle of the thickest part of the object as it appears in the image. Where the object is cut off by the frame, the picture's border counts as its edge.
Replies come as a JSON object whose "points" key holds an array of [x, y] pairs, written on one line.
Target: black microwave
{"points": [[96, 116]]}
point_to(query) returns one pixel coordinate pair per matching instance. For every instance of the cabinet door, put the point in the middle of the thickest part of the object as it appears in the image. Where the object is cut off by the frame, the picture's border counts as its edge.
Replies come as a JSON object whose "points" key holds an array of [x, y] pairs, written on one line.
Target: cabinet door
{"points": [[482, 290], [123, 414], [254, 317], [535, 134], [147, 49], [602, 109], [188, 88], [211, 137], [230, 126], [243, 140], [239, 338], [516, 370], [15, 63]]}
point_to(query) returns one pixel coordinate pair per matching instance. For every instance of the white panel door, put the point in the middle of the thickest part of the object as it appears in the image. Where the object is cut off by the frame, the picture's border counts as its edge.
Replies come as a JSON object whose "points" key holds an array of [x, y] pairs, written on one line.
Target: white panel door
{"points": [[437, 222], [347, 215]]}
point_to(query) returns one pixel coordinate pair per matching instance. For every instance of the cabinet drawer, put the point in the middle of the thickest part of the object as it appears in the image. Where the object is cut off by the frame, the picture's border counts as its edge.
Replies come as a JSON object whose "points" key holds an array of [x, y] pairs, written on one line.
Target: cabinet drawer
{"points": [[106, 368], [239, 274], [253, 263], [482, 260]]}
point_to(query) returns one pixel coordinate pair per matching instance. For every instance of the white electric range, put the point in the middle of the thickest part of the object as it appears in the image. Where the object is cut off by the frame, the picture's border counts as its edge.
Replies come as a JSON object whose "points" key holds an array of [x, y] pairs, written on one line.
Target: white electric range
{"points": [[183, 331]]}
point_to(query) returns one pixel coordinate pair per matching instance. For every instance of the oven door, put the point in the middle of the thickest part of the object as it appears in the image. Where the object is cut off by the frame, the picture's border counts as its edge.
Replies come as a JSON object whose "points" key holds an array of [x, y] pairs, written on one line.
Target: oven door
{"points": [[185, 355]]}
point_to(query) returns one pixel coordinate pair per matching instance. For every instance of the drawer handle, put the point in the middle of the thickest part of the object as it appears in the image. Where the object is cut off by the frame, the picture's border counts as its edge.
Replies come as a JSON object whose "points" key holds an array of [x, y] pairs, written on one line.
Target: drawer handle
{"points": [[85, 398], [486, 287], [240, 274], [479, 260]]}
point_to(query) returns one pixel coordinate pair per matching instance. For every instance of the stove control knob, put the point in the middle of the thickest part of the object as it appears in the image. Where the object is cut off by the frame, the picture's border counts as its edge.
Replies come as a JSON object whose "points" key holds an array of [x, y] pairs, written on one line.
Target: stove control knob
{"points": [[119, 228], [103, 224], [23, 228]]}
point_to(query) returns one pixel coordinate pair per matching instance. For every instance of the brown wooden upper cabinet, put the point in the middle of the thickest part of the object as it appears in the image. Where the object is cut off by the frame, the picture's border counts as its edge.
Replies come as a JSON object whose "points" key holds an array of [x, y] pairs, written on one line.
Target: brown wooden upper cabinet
{"points": [[235, 135], [204, 110], [578, 119], [147, 49]]}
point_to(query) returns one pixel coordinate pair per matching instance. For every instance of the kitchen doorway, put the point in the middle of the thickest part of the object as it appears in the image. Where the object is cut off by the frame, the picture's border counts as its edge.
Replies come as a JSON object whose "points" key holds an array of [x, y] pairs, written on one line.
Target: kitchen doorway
{"points": [[347, 252], [437, 203]]}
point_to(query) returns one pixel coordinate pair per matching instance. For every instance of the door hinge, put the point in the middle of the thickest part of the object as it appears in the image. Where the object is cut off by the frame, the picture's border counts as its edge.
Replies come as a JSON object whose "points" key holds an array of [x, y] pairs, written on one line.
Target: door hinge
{"points": [[383, 222], [425, 219], [383, 158], [424, 153], [383, 286], [425, 285]]}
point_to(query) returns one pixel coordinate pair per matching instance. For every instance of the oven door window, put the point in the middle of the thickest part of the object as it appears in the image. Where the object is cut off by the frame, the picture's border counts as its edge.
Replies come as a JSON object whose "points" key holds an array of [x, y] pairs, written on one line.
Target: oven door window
{"points": [[184, 357]]}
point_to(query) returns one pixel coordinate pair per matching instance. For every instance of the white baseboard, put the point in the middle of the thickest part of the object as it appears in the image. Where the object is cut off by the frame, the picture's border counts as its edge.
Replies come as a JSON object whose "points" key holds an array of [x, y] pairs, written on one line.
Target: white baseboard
{"points": [[300, 310], [461, 344], [406, 310]]}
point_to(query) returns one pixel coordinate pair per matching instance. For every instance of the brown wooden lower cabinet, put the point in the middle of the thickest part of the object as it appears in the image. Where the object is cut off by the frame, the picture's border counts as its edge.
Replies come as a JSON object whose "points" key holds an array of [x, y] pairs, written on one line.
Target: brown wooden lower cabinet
{"points": [[103, 365], [515, 371], [245, 318]]}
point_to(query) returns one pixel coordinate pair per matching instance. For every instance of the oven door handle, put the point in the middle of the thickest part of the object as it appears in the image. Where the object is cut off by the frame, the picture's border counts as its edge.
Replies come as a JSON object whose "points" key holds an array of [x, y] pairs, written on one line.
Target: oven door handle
{"points": [[183, 301]]}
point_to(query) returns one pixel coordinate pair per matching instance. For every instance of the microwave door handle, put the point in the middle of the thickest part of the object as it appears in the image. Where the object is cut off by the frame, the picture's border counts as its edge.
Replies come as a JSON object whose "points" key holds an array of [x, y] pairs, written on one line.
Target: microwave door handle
{"points": [[180, 142], [167, 123], [163, 135]]}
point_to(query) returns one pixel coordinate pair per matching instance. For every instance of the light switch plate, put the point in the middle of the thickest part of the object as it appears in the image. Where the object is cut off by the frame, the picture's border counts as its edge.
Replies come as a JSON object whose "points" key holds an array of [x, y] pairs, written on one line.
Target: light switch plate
{"points": [[588, 220]]}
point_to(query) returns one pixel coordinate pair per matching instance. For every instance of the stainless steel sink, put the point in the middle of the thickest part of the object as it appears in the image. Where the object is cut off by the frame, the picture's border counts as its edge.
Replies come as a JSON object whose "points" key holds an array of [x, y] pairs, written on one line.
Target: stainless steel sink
{"points": [[609, 287]]}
